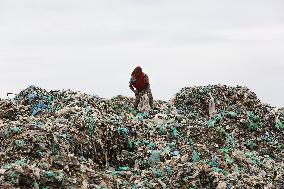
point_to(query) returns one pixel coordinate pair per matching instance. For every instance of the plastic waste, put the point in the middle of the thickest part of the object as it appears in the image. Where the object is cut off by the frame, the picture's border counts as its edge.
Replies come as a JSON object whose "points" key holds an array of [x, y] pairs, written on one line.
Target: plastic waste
{"points": [[213, 136]]}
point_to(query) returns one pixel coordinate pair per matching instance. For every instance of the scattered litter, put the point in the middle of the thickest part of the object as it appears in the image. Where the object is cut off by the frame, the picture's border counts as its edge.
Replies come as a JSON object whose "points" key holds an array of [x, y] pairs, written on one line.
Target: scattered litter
{"points": [[214, 136]]}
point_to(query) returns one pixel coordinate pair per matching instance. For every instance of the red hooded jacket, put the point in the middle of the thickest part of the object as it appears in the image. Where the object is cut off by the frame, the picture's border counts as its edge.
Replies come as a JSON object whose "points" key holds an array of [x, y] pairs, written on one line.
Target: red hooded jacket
{"points": [[140, 82]]}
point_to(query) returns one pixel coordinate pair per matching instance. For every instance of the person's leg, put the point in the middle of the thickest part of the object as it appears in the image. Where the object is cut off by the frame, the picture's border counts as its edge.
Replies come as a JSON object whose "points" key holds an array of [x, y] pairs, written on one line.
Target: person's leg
{"points": [[150, 96], [137, 100]]}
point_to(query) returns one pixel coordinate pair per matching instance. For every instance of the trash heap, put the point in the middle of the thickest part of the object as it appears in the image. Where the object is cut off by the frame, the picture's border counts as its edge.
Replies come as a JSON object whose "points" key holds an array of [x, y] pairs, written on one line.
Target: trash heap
{"points": [[206, 137]]}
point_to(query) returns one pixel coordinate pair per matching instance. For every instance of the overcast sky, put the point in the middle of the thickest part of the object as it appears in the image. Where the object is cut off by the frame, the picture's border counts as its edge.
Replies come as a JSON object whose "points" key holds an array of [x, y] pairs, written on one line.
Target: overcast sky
{"points": [[93, 45]]}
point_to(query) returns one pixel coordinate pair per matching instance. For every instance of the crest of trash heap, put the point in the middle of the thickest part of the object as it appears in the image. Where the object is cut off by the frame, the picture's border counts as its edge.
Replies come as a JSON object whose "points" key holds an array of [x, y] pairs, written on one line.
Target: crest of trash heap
{"points": [[212, 136]]}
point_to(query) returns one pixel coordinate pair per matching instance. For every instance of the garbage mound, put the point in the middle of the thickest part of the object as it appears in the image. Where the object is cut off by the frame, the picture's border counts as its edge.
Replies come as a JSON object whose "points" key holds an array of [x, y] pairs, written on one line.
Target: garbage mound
{"points": [[198, 99], [206, 137]]}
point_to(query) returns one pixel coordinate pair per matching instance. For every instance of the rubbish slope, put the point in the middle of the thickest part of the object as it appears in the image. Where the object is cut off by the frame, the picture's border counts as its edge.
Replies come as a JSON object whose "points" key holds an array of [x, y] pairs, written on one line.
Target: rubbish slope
{"points": [[206, 137]]}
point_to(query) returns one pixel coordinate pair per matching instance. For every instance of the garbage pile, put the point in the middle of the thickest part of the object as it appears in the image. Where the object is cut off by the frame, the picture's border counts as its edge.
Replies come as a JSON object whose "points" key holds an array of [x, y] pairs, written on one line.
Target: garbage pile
{"points": [[206, 137]]}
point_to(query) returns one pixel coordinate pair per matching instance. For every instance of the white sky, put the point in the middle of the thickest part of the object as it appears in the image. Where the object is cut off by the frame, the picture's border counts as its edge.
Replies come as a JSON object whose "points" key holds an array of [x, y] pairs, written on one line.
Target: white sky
{"points": [[92, 45]]}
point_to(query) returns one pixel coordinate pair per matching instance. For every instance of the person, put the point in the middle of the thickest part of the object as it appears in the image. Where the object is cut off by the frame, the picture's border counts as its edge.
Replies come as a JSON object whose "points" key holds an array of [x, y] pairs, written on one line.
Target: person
{"points": [[139, 84]]}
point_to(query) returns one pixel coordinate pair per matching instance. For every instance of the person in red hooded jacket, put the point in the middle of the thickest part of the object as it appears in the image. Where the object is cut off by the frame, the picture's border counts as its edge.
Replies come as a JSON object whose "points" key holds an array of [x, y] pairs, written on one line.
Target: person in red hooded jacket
{"points": [[139, 84]]}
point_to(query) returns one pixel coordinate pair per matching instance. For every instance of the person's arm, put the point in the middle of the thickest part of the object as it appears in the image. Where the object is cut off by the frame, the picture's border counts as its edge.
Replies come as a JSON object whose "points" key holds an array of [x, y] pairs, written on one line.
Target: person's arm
{"points": [[131, 85], [147, 81], [132, 89]]}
